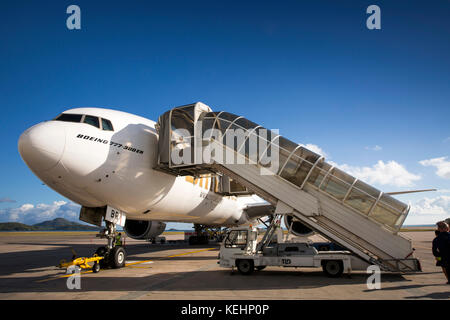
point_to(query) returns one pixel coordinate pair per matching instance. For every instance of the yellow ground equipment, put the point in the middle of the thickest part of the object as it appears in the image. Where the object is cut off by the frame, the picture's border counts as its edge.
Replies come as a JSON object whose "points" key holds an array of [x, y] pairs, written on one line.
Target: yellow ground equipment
{"points": [[83, 263]]}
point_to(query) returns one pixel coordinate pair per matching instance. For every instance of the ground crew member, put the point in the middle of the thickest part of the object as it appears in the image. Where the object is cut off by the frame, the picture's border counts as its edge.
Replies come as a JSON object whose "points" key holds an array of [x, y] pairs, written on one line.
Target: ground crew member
{"points": [[441, 248], [119, 239]]}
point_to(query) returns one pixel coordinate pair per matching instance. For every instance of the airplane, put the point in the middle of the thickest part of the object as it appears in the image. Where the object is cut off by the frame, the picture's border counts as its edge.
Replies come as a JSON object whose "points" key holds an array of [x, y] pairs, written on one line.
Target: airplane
{"points": [[105, 161]]}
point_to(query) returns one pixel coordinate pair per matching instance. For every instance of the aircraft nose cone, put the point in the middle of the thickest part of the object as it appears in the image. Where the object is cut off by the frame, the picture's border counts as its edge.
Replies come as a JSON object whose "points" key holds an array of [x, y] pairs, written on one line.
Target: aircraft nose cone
{"points": [[42, 146]]}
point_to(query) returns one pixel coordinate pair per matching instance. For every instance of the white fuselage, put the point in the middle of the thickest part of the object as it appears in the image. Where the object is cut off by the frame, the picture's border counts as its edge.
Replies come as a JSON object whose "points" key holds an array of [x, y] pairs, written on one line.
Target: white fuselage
{"points": [[96, 167]]}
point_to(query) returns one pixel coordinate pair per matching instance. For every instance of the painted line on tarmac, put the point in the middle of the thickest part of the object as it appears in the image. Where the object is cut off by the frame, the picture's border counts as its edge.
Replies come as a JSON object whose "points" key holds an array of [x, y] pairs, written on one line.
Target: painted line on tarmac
{"points": [[186, 253], [63, 276], [429, 248], [132, 263]]}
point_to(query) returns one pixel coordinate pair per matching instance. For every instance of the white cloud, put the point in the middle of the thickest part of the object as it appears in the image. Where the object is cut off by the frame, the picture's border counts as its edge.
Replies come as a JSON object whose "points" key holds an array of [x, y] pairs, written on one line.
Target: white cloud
{"points": [[389, 173], [315, 148], [31, 214], [442, 165], [425, 211], [25, 207], [376, 148], [429, 211]]}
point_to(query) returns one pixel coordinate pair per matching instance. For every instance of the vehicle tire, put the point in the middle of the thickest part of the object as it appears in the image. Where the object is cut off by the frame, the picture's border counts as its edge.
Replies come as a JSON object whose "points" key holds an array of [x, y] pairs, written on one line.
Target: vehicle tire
{"points": [[259, 268], [204, 240], [117, 257], [102, 252], [96, 267], [245, 266], [193, 240], [333, 268]]}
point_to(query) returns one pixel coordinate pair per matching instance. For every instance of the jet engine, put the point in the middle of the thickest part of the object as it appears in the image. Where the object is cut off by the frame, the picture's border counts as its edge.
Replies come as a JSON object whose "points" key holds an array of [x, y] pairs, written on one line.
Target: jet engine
{"points": [[143, 230], [298, 229]]}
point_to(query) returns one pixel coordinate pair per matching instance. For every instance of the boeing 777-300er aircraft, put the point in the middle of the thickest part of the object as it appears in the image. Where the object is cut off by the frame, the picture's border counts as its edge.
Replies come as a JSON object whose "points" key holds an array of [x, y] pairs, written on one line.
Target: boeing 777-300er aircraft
{"points": [[104, 160], [108, 161]]}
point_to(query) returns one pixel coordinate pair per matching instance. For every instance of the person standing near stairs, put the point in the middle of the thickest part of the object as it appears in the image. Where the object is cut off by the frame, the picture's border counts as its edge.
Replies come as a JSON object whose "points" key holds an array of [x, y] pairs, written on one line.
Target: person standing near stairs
{"points": [[441, 248]]}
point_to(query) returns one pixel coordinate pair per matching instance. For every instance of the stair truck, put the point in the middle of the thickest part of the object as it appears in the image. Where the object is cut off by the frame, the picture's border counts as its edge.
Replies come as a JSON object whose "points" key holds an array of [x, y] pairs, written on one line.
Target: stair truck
{"points": [[242, 250]]}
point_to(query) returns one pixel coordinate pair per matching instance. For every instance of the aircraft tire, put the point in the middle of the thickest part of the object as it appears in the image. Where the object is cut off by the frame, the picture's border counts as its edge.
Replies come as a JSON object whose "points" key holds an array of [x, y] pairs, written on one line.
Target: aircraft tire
{"points": [[117, 257]]}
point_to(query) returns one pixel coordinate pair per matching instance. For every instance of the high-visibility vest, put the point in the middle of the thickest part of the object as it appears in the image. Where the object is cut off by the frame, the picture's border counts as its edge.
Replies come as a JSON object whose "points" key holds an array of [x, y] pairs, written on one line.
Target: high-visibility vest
{"points": [[118, 240]]}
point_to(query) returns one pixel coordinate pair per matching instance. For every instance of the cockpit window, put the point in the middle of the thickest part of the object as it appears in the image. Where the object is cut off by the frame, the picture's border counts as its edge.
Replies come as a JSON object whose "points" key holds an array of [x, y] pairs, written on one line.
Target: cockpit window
{"points": [[69, 117], [93, 121], [107, 125]]}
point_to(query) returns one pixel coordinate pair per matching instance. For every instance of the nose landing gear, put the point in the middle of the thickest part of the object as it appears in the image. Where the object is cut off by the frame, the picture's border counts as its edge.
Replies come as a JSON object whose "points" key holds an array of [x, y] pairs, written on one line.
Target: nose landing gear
{"points": [[114, 255]]}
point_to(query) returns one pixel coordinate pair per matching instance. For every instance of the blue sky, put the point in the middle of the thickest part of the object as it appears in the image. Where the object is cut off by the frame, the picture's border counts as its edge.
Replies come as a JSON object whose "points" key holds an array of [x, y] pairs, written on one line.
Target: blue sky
{"points": [[376, 102]]}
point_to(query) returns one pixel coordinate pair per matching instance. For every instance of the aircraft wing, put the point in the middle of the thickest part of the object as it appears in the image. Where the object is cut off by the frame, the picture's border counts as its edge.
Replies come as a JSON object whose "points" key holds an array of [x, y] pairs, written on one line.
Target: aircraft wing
{"points": [[410, 191]]}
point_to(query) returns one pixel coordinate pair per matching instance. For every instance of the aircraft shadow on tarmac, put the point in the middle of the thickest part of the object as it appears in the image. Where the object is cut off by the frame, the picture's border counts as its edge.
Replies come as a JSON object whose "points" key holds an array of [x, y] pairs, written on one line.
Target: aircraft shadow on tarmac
{"points": [[204, 280], [434, 295], [186, 281], [31, 261]]}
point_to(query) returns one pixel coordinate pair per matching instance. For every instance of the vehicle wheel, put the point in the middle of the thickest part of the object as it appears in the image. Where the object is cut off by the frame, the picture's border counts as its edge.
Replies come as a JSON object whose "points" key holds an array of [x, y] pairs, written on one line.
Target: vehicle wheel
{"points": [[259, 268], [333, 268], [117, 257], [193, 240], [203, 240], [101, 252], [245, 266], [96, 267]]}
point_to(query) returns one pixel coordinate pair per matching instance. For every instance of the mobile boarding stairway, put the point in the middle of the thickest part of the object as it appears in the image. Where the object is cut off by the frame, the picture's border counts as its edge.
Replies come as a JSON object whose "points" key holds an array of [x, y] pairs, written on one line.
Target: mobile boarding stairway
{"points": [[194, 140]]}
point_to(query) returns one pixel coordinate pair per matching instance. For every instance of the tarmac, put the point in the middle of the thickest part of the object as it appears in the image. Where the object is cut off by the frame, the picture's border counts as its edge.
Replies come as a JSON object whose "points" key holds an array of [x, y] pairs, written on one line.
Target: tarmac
{"points": [[177, 270]]}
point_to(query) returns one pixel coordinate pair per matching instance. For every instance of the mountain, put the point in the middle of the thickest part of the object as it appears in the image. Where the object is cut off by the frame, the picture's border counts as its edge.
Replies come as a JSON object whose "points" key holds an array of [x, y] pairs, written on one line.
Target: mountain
{"points": [[58, 224], [15, 226]]}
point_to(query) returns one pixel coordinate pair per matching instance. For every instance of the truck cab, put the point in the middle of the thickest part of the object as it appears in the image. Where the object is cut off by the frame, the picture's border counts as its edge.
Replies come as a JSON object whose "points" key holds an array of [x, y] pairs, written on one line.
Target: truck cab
{"points": [[240, 240]]}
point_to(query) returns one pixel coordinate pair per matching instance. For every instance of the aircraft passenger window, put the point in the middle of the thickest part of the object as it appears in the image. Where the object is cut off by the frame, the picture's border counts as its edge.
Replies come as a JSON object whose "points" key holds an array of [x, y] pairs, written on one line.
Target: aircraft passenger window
{"points": [[107, 125], [69, 117], [93, 121]]}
